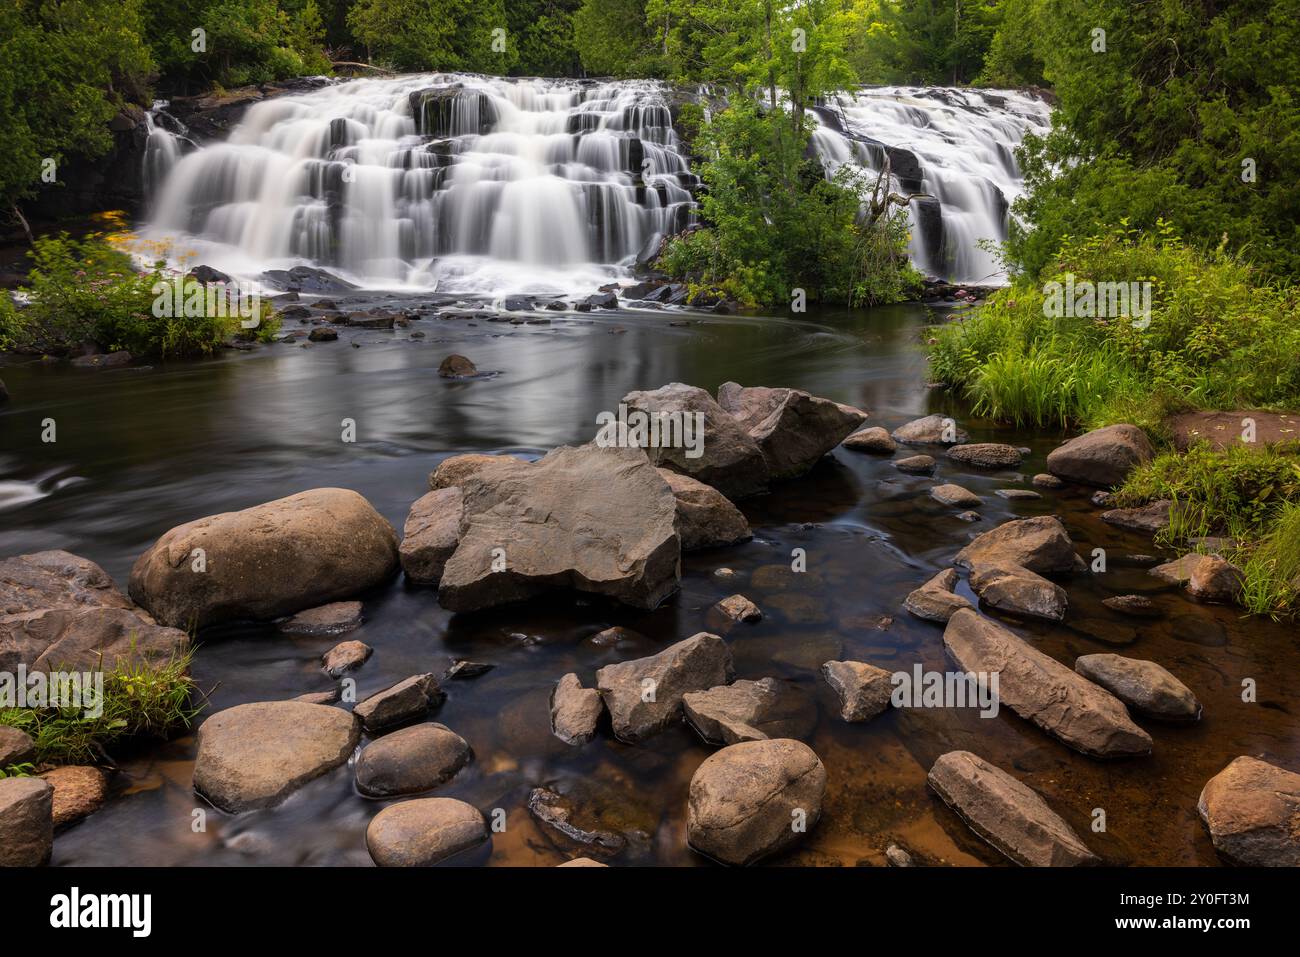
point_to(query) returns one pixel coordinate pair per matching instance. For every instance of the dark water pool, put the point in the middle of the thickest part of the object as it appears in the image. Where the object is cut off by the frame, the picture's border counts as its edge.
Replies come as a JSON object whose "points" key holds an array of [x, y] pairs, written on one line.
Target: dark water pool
{"points": [[141, 450]]}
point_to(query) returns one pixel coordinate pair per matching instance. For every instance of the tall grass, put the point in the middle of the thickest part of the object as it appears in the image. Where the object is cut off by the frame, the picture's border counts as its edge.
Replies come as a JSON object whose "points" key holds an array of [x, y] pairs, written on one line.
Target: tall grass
{"points": [[1272, 568]]}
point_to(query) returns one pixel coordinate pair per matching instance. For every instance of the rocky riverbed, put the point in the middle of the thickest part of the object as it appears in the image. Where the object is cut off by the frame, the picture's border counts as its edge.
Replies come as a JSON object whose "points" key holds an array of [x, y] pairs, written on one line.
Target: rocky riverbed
{"points": [[501, 713]]}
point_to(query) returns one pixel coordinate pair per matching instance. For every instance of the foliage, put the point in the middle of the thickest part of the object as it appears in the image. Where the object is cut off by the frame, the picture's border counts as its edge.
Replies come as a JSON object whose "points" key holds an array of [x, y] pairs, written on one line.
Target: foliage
{"points": [[433, 34], [1220, 336], [140, 700], [612, 39]]}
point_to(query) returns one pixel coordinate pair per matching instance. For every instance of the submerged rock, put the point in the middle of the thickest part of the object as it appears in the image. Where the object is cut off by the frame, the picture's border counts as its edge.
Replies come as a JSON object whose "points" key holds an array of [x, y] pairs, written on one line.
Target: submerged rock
{"points": [[754, 799], [590, 519], [456, 367], [1043, 691], [1138, 606], [793, 429], [1250, 809], [592, 817], [255, 755], [705, 517], [986, 455], [423, 832], [875, 440], [333, 619], [1101, 457], [955, 495], [263, 562], [1009, 815], [575, 710], [696, 664], [26, 822], [750, 711], [431, 534], [1144, 686], [1016, 589], [1039, 544], [739, 608], [414, 759], [935, 601], [864, 690]]}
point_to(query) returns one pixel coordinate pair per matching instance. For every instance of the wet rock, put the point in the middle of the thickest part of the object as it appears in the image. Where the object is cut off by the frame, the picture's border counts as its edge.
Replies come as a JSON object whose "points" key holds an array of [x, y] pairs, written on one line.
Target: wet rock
{"points": [[750, 711], [1207, 577], [431, 534], [745, 800], [730, 460], [591, 519], [456, 367], [1009, 815], [1015, 589], [986, 455], [411, 760], [1250, 809], [582, 862], [793, 429], [1039, 544], [1148, 518], [696, 664], [916, 464], [955, 495], [333, 619], [1101, 457], [78, 792], [897, 857], [1144, 686], [970, 516], [1043, 691], [1102, 499], [26, 822], [875, 440], [935, 601], [55, 579], [456, 469], [705, 517], [1047, 480], [465, 670], [602, 300], [109, 360], [801, 609], [319, 697], [1138, 606], [275, 559], [864, 690], [16, 746], [345, 656], [407, 700], [589, 817], [1016, 494], [423, 832], [255, 755], [575, 710], [930, 430], [784, 578], [322, 334], [739, 608]]}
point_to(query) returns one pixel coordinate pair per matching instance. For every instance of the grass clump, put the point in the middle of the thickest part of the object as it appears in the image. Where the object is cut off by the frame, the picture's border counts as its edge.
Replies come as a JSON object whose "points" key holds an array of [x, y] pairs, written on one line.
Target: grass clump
{"points": [[140, 700]]}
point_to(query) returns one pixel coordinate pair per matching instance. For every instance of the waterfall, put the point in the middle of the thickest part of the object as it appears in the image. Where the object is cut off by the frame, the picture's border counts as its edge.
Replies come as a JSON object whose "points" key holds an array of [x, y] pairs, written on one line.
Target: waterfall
{"points": [[956, 146], [473, 183]]}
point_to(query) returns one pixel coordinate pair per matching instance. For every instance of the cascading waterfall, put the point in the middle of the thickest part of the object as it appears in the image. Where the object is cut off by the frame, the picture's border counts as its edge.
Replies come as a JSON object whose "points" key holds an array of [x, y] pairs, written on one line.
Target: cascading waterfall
{"points": [[475, 184], [956, 146]]}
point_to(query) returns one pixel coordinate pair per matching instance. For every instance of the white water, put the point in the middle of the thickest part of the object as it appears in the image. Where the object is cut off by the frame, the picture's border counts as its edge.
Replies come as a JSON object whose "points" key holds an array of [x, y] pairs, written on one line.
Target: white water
{"points": [[964, 141], [504, 186], [491, 185]]}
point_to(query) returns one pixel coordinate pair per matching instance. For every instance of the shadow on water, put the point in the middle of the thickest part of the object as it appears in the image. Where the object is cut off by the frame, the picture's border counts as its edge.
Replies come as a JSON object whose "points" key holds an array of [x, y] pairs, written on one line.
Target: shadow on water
{"points": [[143, 449]]}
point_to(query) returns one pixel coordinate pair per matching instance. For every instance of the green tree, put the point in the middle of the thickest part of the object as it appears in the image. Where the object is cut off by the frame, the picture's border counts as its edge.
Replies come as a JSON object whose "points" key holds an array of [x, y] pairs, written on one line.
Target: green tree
{"points": [[435, 34], [612, 38]]}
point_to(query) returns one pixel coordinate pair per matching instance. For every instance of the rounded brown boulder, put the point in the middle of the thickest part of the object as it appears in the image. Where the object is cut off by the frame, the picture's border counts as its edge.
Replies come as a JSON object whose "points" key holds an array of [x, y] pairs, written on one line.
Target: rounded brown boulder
{"points": [[754, 799], [423, 832], [275, 559]]}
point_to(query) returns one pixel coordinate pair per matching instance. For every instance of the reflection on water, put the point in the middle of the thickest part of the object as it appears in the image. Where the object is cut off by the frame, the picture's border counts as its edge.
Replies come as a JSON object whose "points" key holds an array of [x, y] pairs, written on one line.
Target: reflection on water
{"points": [[160, 446]]}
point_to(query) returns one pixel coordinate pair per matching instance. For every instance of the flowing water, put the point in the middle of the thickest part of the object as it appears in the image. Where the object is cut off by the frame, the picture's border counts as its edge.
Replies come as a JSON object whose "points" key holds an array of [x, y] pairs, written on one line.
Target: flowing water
{"points": [[140, 450]]}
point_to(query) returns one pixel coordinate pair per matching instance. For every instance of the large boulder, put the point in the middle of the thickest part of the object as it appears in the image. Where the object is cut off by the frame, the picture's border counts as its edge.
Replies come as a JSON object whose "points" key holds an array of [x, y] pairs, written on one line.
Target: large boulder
{"points": [[1144, 686], [705, 517], [1009, 815], [423, 832], [1016, 589], [1101, 457], [26, 822], [750, 711], [415, 759], [430, 535], [729, 460], [1043, 691], [266, 561], [1252, 811], [753, 799], [1040, 544], [255, 755], [644, 696], [935, 600], [792, 428], [591, 519]]}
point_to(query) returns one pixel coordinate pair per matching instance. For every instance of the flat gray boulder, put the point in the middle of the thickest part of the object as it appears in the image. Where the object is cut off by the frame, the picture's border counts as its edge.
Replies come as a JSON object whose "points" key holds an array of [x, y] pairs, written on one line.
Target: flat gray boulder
{"points": [[864, 690], [705, 517], [589, 519], [986, 455], [1040, 544], [270, 560], [644, 696], [1250, 809], [431, 534], [1144, 686], [754, 799], [412, 760], [794, 429], [255, 755], [1016, 589], [1043, 691], [935, 601], [424, 832], [1101, 457], [1009, 815], [750, 711]]}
